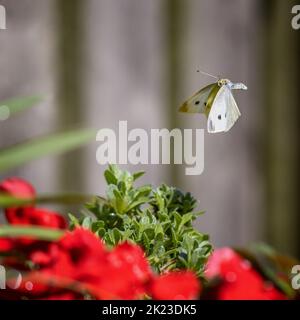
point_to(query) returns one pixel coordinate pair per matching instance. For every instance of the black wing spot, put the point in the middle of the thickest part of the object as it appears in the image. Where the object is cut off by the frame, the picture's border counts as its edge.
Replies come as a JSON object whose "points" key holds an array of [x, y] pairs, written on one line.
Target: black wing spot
{"points": [[197, 102], [219, 117]]}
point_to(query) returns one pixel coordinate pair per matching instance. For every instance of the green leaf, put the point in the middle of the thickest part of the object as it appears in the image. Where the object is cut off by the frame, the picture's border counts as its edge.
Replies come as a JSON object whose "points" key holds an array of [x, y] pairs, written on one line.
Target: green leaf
{"points": [[55, 144], [158, 231], [98, 225], [146, 241], [101, 232], [74, 221], [188, 217], [65, 199], [110, 177], [8, 201], [110, 237], [20, 104], [138, 175], [87, 223], [137, 203], [35, 232], [117, 235], [150, 233], [177, 218]]}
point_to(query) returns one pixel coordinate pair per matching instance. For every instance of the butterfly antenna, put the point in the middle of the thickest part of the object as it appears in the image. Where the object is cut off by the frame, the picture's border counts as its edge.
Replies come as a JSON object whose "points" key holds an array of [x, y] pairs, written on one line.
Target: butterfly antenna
{"points": [[208, 74]]}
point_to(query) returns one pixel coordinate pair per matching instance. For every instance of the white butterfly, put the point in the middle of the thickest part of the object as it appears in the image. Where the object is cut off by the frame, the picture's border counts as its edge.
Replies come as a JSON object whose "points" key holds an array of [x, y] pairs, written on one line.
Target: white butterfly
{"points": [[217, 103]]}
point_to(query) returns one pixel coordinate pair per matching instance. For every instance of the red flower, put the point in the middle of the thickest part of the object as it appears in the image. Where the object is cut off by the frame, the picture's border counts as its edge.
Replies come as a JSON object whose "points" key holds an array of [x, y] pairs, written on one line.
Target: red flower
{"points": [[29, 215], [239, 280], [80, 257], [79, 264], [17, 187], [127, 275], [176, 286], [35, 216], [6, 244], [133, 257], [73, 255]]}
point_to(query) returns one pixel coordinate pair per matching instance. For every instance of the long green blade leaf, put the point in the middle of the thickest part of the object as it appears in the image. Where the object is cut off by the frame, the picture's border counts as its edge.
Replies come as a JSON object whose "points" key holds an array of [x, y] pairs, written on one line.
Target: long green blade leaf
{"points": [[36, 232], [7, 201], [55, 144], [20, 104]]}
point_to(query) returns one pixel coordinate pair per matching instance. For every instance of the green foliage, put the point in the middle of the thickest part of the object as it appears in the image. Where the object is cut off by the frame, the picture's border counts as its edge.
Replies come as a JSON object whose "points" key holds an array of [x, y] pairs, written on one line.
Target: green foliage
{"points": [[160, 220], [28, 151], [20, 104]]}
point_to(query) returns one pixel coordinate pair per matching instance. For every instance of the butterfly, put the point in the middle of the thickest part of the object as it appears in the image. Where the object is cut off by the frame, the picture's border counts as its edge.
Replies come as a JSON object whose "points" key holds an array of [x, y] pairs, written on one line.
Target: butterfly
{"points": [[217, 103]]}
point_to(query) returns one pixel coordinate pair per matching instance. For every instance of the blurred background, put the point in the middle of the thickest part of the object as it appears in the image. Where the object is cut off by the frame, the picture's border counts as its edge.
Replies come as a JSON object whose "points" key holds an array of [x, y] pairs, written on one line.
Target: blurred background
{"points": [[97, 62]]}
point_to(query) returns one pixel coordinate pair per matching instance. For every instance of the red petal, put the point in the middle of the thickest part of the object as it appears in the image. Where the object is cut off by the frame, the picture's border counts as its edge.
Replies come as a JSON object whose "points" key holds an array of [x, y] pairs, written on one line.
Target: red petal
{"points": [[176, 286], [17, 187]]}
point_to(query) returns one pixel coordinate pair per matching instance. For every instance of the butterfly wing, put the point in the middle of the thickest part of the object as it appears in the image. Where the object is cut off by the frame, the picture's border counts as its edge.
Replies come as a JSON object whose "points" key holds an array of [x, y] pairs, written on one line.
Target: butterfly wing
{"points": [[216, 121], [198, 102], [233, 112], [224, 112]]}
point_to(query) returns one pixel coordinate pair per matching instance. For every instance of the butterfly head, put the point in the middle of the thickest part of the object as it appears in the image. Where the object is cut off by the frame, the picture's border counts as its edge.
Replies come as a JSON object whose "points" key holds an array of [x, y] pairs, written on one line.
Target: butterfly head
{"points": [[223, 82]]}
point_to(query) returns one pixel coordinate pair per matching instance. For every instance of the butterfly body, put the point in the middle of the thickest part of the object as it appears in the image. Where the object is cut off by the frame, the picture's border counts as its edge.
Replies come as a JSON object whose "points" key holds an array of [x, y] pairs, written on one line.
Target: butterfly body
{"points": [[217, 103]]}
